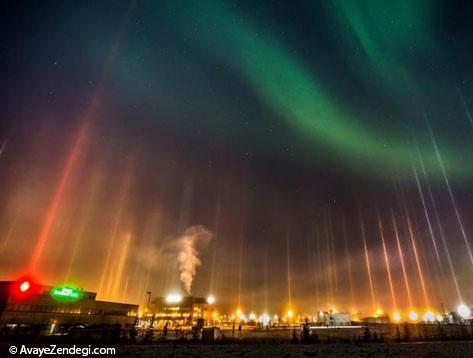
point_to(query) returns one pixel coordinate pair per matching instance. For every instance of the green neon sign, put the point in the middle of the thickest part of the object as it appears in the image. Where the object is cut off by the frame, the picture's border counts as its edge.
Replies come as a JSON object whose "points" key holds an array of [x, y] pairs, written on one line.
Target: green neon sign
{"points": [[66, 293]]}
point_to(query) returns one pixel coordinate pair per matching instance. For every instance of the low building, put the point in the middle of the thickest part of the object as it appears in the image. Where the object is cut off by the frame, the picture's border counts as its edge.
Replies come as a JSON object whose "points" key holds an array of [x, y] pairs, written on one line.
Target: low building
{"points": [[376, 319], [339, 319], [183, 311], [24, 303], [334, 319]]}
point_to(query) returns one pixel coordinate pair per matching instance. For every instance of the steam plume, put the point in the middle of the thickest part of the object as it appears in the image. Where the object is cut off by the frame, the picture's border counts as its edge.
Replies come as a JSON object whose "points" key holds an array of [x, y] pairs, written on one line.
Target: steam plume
{"points": [[193, 239]]}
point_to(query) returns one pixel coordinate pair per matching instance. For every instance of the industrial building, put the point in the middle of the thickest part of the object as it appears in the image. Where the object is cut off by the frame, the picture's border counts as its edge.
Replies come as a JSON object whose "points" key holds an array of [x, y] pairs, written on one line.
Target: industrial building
{"points": [[24, 304], [376, 319], [175, 310], [333, 319]]}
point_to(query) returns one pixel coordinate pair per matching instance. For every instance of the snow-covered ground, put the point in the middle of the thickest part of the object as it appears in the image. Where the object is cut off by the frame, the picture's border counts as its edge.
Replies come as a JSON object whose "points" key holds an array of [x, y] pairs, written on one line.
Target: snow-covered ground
{"points": [[417, 350]]}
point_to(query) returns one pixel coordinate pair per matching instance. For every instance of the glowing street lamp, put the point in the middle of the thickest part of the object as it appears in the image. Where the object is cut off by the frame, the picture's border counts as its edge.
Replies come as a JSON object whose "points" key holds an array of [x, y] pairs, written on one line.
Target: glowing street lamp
{"points": [[396, 317], [265, 319], [429, 317], [413, 316], [173, 298], [464, 311], [211, 299], [290, 314]]}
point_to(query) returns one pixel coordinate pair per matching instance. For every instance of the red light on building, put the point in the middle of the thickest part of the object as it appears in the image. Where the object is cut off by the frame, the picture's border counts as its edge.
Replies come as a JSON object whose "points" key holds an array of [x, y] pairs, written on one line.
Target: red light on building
{"points": [[24, 288]]}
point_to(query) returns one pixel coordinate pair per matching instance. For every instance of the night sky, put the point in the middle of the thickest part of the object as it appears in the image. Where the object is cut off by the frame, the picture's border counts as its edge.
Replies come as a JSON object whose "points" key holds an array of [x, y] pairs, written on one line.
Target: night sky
{"points": [[326, 146]]}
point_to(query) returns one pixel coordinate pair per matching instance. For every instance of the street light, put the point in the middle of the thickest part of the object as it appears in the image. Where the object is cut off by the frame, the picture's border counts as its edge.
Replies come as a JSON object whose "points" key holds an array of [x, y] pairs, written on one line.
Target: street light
{"points": [[173, 298], [265, 319], [429, 317], [464, 311], [396, 316], [413, 316], [290, 314]]}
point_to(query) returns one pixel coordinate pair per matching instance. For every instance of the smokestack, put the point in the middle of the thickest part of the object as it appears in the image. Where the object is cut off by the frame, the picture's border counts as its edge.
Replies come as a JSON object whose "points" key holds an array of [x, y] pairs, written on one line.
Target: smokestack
{"points": [[194, 238]]}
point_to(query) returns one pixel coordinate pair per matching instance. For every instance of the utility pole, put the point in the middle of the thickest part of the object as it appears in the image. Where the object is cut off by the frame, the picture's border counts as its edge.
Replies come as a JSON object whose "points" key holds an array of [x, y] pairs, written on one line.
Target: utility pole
{"points": [[148, 293]]}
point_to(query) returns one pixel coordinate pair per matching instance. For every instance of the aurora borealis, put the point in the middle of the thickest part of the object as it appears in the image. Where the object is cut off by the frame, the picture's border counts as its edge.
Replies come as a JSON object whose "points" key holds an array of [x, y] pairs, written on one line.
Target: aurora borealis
{"points": [[325, 145]]}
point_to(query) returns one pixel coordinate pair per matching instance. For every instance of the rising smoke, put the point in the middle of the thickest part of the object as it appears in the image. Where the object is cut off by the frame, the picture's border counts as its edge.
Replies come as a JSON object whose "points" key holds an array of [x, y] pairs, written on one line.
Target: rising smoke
{"points": [[193, 239]]}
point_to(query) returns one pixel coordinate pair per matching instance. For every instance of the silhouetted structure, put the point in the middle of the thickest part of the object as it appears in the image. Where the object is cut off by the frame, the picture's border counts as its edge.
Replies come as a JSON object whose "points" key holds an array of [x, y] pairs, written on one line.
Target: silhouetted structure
{"points": [[40, 312]]}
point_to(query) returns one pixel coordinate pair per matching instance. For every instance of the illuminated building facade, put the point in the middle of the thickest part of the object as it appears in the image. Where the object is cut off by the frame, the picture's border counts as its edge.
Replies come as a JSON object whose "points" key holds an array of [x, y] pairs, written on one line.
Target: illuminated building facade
{"points": [[183, 312], [24, 303], [335, 319]]}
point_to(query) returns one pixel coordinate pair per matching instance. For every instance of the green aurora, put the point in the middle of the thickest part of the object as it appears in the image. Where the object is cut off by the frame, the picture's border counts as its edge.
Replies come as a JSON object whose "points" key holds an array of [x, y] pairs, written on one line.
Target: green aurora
{"points": [[373, 46]]}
